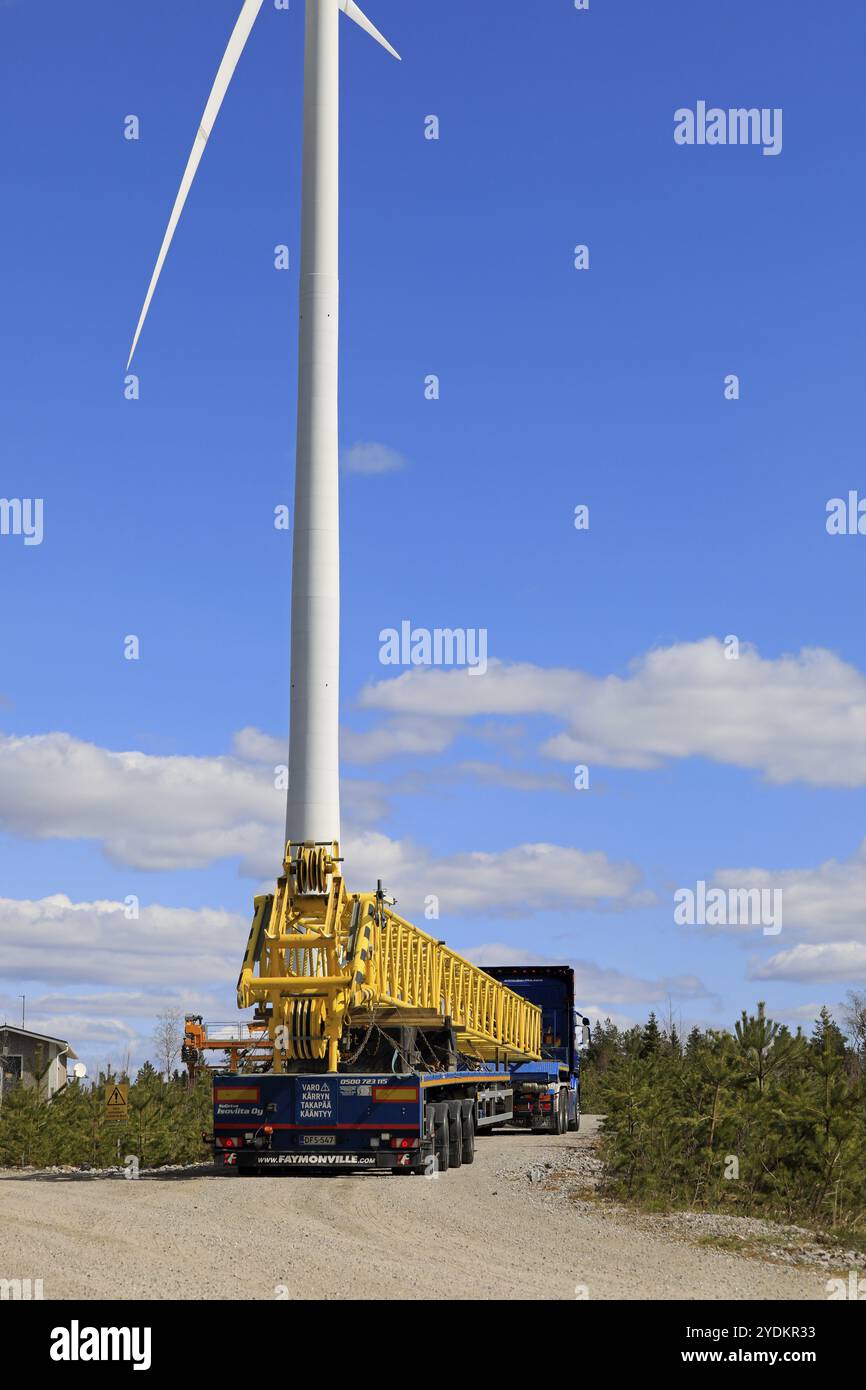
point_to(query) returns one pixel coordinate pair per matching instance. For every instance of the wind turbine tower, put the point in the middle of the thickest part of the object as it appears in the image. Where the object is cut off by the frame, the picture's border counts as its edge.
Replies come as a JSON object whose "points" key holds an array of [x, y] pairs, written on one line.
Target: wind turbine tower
{"points": [[313, 808]]}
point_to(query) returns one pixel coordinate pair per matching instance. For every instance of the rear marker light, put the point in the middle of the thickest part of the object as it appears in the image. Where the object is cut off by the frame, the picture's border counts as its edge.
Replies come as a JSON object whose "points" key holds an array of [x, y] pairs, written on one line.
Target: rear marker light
{"points": [[393, 1095], [251, 1094]]}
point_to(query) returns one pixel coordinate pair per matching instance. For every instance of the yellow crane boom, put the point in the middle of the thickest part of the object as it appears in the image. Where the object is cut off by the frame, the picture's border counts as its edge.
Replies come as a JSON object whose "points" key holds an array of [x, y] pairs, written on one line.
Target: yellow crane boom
{"points": [[320, 961]]}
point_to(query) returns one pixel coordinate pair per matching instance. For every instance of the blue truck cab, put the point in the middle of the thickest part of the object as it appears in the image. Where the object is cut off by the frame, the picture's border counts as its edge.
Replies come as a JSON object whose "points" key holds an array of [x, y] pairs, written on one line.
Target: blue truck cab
{"points": [[547, 1093]]}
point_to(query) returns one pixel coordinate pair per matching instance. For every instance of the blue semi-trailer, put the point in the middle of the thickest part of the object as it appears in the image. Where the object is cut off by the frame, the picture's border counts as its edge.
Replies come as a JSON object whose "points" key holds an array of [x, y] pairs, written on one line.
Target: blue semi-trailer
{"points": [[405, 1121]]}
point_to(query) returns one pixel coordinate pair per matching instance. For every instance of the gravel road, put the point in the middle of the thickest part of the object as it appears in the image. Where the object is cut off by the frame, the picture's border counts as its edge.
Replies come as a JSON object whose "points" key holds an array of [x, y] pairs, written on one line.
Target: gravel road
{"points": [[506, 1228]]}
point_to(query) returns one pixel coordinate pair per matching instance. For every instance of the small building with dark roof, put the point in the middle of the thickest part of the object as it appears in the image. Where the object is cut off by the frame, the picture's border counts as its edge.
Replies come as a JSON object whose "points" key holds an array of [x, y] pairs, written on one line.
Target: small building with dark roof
{"points": [[33, 1058]]}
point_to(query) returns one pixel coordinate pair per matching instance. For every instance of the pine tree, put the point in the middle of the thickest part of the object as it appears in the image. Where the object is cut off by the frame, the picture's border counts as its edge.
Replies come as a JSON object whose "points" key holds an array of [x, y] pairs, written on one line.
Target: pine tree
{"points": [[765, 1045], [593, 1052], [832, 1155], [694, 1041], [827, 1034], [631, 1041], [651, 1037]]}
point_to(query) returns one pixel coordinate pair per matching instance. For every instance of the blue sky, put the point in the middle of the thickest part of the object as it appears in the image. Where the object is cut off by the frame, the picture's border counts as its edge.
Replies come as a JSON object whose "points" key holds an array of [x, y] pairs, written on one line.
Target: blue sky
{"points": [[558, 387]]}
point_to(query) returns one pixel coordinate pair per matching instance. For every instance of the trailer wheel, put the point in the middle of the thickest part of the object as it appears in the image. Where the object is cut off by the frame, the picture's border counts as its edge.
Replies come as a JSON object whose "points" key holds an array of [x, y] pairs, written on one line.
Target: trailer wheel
{"points": [[441, 1137], [455, 1126], [468, 1126]]}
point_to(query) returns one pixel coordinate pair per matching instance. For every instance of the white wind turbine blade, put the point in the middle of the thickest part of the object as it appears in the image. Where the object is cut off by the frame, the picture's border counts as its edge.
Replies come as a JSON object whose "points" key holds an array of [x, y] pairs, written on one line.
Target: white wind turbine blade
{"points": [[351, 9], [240, 34]]}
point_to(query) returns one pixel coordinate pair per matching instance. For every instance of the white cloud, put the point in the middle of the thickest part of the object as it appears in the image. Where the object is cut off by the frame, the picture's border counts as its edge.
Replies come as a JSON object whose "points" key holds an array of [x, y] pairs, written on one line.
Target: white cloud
{"points": [[104, 978], [823, 909], [810, 963], [116, 1023], [83, 1030], [60, 942], [150, 812], [793, 718], [372, 458], [159, 812], [817, 903], [807, 1013], [514, 882], [253, 746], [391, 740], [156, 812], [397, 738]]}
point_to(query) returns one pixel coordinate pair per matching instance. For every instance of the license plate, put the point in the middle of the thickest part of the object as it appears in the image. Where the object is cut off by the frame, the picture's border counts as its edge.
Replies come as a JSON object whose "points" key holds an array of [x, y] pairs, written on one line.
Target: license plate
{"points": [[318, 1141]]}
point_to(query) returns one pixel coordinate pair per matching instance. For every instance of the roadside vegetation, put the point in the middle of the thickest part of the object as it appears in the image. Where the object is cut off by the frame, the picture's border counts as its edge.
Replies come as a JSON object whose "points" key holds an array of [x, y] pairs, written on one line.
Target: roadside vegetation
{"points": [[758, 1121], [166, 1120]]}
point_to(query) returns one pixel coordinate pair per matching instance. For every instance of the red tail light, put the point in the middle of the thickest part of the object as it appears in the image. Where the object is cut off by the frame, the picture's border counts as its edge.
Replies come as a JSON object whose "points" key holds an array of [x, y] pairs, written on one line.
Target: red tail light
{"points": [[404, 1143]]}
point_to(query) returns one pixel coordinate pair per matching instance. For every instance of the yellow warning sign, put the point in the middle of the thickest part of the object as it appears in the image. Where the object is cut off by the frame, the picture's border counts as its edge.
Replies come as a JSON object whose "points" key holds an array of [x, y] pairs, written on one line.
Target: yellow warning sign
{"points": [[116, 1101]]}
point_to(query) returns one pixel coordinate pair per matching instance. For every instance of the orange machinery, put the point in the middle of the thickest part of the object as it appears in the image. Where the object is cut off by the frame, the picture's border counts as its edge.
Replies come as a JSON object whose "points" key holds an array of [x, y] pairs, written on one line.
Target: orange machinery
{"points": [[206, 1044]]}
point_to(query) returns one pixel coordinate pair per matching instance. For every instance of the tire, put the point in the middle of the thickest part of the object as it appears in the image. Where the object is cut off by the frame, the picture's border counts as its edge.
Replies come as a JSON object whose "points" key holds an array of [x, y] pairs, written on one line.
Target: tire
{"points": [[468, 1125], [561, 1112], [455, 1125], [574, 1125], [441, 1137]]}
